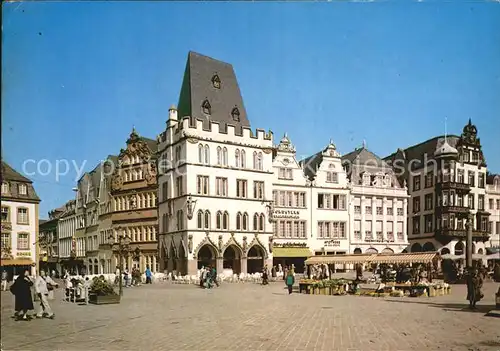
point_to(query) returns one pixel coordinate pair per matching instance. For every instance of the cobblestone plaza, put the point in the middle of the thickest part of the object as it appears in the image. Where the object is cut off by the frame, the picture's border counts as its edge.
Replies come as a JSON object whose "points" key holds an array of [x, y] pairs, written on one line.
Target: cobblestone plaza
{"points": [[253, 317]]}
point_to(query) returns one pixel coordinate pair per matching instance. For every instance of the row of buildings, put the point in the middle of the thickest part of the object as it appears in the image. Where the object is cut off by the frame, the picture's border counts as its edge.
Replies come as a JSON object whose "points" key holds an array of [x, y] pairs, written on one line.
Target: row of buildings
{"points": [[212, 191]]}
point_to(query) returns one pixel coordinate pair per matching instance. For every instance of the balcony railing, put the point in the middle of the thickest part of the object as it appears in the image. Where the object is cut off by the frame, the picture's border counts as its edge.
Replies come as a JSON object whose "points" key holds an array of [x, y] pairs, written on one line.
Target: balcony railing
{"points": [[450, 184], [462, 233], [453, 209]]}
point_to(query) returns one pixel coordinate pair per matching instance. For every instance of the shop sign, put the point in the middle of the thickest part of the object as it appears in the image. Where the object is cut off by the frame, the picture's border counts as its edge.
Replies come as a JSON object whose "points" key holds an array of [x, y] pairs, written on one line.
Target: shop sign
{"points": [[331, 243], [23, 254], [286, 214]]}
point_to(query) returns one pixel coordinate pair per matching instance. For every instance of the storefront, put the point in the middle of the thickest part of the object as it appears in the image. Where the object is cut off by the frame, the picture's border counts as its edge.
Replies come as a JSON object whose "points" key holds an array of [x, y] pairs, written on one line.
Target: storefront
{"points": [[14, 266], [291, 254]]}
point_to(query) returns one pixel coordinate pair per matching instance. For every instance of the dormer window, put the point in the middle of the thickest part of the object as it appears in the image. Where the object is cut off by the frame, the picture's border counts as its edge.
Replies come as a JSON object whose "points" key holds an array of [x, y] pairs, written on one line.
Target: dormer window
{"points": [[216, 81], [5, 188], [235, 113], [207, 109], [366, 179], [23, 189]]}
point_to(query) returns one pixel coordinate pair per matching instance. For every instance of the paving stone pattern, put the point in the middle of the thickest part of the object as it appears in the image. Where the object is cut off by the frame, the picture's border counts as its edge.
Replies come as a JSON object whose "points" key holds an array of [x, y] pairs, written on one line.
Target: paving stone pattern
{"points": [[253, 317]]}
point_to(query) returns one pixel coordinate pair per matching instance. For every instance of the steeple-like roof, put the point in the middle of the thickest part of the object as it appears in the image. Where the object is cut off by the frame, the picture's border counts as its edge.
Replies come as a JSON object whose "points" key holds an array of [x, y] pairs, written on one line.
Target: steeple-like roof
{"points": [[211, 86]]}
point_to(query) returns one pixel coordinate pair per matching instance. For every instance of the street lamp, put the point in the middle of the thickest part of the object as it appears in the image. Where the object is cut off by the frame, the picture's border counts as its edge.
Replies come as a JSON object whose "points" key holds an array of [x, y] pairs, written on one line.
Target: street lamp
{"points": [[122, 246]]}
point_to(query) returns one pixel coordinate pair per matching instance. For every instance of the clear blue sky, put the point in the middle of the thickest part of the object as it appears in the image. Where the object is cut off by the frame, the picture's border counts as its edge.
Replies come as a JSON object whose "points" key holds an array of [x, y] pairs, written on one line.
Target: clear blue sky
{"points": [[77, 76]]}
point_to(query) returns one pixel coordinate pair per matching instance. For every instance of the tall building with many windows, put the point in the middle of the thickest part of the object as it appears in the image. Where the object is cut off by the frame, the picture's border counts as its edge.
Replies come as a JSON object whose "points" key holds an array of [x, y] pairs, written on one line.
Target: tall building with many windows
{"points": [[447, 183], [493, 201], [215, 177], [19, 245]]}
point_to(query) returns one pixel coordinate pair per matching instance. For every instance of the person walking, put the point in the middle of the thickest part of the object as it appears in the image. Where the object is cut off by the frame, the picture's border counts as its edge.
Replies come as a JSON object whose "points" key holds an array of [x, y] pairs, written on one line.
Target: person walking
{"points": [[214, 276], [265, 275], [149, 275], [474, 285], [42, 285], [4, 280], [24, 299], [290, 280]]}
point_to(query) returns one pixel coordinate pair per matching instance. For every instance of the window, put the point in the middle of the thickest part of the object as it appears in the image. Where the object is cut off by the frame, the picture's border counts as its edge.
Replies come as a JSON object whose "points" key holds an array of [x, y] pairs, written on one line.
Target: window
{"points": [[5, 188], [285, 173], [241, 188], [179, 188], [332, 201], [22, 215], [180, 220], [428, 202], [243, 159], [202, 184], [256, 221], [498, 204], [258, 190], [237, 159], [218, 220], [332, 177], [484, 224], [416, 225], [380, 210], [460, 176], [429, 177], [23, 189], [225, 220], [428, 223], [368, 230], [221, 186], [357, 209], [390, 211], [206, 108], [235, 113], [164, 187], [207, 219], [491, 204], [368, 210], [257, 160], [416, 182], [472, 176], [23, 242], [219, 155], [471, 201], [5, 214], [224, 156], [216, 81], [239, 218], [416, 204], [6, 240], [498, 228], [480, 180], [480, 202], [242, 221]]}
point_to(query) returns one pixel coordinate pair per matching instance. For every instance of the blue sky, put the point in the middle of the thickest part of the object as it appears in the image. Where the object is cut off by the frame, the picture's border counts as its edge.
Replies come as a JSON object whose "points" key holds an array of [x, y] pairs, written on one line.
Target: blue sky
{"points": [[77, 76]]}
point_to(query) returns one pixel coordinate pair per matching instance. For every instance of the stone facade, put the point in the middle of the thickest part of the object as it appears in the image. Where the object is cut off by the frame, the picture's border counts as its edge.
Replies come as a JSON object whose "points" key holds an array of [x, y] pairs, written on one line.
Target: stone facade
{"points": [[493, 203]]}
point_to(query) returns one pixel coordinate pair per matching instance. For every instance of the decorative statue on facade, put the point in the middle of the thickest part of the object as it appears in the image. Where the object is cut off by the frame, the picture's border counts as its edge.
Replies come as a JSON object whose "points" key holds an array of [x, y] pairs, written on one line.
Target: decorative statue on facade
{"points": [[271, 244], [190, 203], [245, 244], [270, 211], [190, 243], [220, 243]]}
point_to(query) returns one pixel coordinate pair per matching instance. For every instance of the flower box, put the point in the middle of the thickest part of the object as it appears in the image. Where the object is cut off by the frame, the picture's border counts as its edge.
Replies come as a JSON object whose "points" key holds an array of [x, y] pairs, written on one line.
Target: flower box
{"points": [[104, 300]]}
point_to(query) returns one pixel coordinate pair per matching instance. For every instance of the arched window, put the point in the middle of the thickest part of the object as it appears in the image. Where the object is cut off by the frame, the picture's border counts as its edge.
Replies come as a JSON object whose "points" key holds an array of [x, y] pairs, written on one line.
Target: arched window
{"points": [[238, 221], [256, 222], [243, 159], [216, 81], [255, 162], [200, 219], [180, 220], [225, 221], [261, 222], [207, 219], [259, 161], [200, 153], [219, 155], [218, 220], [235, 113], [245, 221], [237, 158], [207, 109], [207, 155], [224, 156]]}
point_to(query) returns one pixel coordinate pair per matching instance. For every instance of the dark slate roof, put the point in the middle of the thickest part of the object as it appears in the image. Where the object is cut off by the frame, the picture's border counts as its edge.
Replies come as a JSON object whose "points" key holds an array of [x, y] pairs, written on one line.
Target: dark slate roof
{"points": [[9, 173], [197, 87], [14, 178], [310, 164], [152, 144], [364, 156], [490, 178]]}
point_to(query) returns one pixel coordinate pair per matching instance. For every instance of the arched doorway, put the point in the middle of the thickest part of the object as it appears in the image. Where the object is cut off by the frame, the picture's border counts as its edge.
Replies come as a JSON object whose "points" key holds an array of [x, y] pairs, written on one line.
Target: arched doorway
{"points": [[371, 250], [206, 256], [428, 246], [232, 259], [459, 248], [182, 261], [255, 259], [445, 251], [416, 247], [357, 251], [387, 250]]}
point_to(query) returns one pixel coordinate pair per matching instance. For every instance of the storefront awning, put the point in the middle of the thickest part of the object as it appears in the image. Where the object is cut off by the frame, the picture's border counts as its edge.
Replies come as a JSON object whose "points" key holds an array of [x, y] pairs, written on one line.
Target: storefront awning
{"points": [[291, 252], [339, 259], [417, 257], [17, 262]]}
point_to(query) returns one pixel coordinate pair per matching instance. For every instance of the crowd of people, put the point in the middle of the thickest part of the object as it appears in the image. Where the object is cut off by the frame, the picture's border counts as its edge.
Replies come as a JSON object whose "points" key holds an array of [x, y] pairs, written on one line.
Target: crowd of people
{"points": [[208, 277]]}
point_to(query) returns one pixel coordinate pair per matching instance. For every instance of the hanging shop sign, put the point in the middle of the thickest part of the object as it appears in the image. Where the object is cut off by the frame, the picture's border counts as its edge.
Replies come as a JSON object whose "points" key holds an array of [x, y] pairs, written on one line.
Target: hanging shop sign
{"points": [[286, 214]]}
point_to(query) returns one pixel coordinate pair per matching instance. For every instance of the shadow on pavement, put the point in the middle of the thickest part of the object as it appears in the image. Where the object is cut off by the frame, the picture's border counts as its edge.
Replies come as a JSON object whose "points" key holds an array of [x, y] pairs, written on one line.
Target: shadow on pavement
{"points": [[454, 307]]}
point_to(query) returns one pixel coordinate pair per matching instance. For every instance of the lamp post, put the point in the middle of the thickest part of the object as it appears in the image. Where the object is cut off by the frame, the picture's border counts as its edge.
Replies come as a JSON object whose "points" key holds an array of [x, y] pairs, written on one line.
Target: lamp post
{"points": [[122, 245]]}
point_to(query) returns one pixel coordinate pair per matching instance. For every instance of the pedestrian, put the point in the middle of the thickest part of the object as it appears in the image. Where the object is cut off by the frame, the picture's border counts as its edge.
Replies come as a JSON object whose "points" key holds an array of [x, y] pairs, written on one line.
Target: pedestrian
{"points": [[43, 284], [148, 275], [214, 277], [290, 280], [4, 280], [474, 285], [24, 298], [265, 276]]}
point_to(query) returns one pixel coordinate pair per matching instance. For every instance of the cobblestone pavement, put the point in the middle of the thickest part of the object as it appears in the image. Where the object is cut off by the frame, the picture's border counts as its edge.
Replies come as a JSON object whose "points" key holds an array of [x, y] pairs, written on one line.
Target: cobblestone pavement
{"points": [[253, 317]]}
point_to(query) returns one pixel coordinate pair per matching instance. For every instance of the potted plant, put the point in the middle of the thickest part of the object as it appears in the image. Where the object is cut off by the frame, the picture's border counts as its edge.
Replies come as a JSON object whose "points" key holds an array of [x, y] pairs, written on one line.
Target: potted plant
{"points": [[102, 292]]}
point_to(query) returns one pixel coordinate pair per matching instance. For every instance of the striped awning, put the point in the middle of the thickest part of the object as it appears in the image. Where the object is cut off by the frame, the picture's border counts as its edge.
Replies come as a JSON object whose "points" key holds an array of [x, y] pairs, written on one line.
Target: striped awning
{"points": [[416, 257], [291, 252], [340, 259]]}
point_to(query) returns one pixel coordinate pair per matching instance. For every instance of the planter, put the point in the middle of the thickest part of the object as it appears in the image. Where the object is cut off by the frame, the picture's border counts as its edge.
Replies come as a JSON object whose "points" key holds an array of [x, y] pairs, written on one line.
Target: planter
{"points": [[104, 300]]}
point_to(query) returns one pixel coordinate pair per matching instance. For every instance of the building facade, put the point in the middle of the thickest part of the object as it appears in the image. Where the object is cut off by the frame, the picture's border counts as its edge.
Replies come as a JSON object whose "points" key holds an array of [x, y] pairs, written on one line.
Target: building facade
{"points": [[447, 184], [378, 205], [493, 201], [66, 241], [215, 177], [48, 241], [20, 230]]}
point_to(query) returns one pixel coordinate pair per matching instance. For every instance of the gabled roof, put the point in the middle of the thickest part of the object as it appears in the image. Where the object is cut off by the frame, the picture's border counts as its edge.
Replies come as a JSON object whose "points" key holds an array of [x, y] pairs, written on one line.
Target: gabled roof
{"points": [[363, 156], [198, 86], [14, 178], [9, 173]]}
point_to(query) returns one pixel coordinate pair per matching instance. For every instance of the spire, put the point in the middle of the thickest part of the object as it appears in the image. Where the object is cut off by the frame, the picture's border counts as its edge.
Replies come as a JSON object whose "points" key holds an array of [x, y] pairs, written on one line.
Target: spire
{"points": [[445, 128], [364, 144]]}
